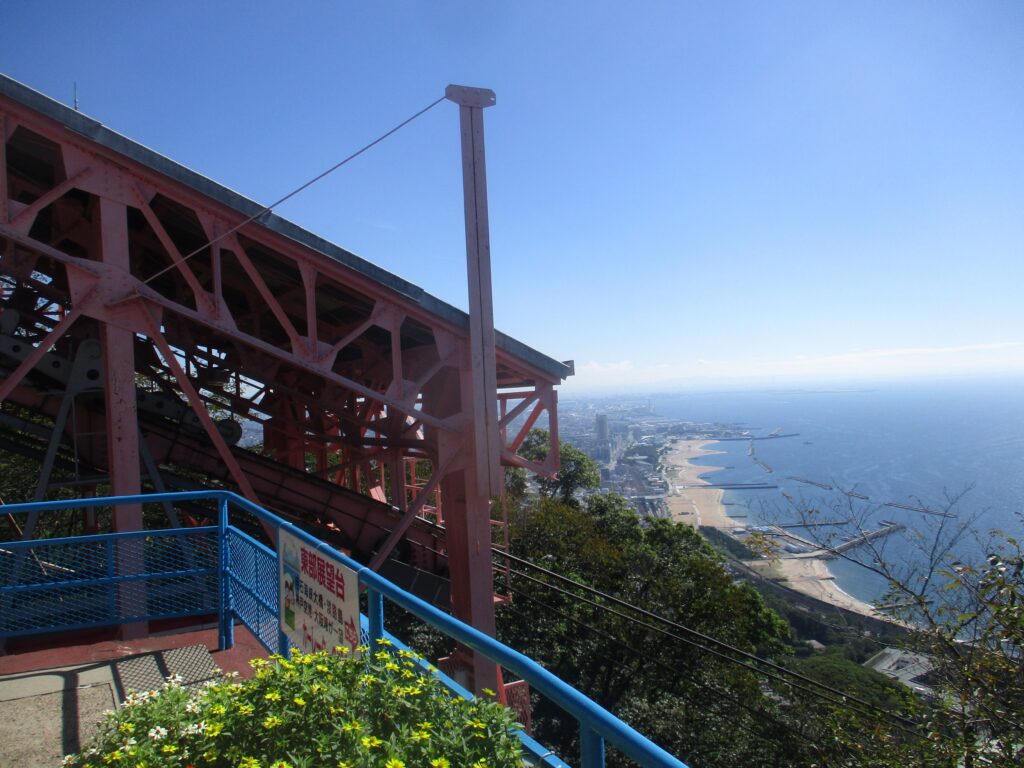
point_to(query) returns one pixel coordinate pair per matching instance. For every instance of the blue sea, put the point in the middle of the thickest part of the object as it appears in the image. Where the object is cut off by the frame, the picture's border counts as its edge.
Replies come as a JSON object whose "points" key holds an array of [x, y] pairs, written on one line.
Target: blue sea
{"points": [[918, 444]]}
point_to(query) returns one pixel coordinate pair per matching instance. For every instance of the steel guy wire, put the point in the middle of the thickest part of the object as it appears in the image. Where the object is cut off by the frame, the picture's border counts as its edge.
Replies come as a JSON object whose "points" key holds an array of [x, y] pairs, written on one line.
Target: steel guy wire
{"points": [[297, 190], [782, 671]]}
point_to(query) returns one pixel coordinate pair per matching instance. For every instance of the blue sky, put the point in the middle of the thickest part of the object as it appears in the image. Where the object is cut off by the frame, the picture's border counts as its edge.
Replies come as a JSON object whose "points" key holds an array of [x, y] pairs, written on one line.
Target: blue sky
{"points": [[682, 193]]}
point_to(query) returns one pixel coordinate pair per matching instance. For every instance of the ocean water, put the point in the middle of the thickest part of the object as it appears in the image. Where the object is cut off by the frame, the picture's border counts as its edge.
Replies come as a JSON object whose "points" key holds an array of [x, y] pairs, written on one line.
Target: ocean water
{"points": [[911, 443]]}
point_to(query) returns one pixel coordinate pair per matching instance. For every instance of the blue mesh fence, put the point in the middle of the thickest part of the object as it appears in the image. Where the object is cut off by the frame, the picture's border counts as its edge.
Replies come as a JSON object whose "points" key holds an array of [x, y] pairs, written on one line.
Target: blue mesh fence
{"points": [[92, 581], [253, 579]]}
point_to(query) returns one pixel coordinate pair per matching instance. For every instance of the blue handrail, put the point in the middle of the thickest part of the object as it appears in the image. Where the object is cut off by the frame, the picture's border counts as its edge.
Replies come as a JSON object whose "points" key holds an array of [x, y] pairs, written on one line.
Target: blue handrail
{"points": [[597, 725]]}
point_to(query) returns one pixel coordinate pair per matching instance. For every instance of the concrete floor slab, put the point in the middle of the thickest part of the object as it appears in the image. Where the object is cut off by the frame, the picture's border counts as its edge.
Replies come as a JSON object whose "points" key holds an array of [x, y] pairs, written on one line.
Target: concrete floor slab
{"points": [[52, 700], [39, 729]]}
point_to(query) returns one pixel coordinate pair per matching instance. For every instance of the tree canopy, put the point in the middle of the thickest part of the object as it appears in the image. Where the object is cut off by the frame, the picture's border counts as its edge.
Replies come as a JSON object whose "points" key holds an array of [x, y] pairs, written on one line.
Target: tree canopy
{"points": [[672, 690], [576, 471]]}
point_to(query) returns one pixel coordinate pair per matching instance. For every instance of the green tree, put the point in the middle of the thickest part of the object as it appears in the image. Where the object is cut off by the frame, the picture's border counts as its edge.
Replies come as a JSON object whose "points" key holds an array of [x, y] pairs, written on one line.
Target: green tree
{"points": [[576, 470], [685, 697], [967, 616], [975, 635]]}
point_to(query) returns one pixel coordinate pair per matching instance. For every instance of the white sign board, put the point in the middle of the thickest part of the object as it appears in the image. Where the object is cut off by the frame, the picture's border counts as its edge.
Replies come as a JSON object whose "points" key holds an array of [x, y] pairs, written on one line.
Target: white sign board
{"points": [[319, 597]]}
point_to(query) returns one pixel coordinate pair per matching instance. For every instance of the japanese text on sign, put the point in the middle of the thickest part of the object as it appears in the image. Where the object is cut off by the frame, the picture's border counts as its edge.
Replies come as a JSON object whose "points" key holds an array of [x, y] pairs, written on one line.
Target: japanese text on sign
{"points": [[319, 597]]}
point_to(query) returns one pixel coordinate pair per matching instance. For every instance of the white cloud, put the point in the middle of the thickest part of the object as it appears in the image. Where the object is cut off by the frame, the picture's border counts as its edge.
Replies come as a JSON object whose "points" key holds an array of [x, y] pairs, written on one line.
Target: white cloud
{"points": [[901, 362]]}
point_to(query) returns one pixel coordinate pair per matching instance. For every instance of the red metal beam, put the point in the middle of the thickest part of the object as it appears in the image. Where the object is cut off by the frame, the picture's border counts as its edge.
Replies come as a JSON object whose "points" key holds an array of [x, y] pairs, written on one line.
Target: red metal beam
{"points": [[377, 376], [30, 362]]}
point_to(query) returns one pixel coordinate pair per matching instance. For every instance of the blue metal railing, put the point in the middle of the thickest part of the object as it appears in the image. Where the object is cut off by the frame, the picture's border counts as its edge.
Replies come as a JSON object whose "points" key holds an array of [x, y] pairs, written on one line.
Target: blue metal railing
{"points": [[238, 577]]}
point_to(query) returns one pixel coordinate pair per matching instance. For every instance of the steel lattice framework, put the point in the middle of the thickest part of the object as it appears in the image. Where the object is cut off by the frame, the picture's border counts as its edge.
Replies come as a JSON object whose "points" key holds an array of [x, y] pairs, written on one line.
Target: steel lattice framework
{"points": [[134, 365]]}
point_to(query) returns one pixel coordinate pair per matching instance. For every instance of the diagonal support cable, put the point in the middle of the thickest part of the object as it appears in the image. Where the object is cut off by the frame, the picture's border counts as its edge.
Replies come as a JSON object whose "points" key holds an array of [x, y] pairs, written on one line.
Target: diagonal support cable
{"points": [[297, 190]]}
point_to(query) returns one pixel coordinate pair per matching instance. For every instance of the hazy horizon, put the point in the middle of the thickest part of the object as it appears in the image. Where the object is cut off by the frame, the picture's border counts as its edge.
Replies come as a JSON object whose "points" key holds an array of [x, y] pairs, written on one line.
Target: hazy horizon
{"points": [[791, 384]]}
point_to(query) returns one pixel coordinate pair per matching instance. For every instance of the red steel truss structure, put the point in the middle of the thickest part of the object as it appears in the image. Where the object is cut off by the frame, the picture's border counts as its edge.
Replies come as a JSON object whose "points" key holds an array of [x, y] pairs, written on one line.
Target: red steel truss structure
{"points": [[126, 362]]}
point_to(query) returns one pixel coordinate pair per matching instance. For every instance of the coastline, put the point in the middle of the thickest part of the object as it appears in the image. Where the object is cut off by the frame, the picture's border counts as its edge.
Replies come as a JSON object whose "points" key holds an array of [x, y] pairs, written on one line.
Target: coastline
{"points": [[698, 506]]}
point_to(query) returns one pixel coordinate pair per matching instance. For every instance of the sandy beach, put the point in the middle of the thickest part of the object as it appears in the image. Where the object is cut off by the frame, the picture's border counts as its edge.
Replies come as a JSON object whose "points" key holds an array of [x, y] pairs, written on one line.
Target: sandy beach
{"points": [[694, 505], [691, 504]]}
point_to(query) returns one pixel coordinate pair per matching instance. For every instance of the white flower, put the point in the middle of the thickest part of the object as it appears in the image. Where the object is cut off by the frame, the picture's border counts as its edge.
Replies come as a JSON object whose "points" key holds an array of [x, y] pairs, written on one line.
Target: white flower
{"points": [[129, 742], [68, 760], [192, 707], [157, 732], [195, 728], [174, 681]]}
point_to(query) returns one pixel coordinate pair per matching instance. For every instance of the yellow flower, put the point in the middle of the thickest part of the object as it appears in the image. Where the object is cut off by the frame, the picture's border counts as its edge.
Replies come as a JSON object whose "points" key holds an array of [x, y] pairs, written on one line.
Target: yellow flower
{"points": [[488, 691], [426, 725], [299, 701], [214, 729], [420, 736], [246, 709], [126, 728], [271, 722], [384, 641], [477, 724], [322, 668], [394, 762], [168, 749], [281, 764], [256, 664], [355, 725], [273, 696], [218, 709], [391, 666], [370, 742], [440, 762], [249, 762]]}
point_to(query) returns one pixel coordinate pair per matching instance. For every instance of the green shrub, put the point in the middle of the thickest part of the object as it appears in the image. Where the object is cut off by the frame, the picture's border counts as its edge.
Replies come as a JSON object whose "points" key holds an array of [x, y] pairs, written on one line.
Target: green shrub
{"points": [[375, 710]]}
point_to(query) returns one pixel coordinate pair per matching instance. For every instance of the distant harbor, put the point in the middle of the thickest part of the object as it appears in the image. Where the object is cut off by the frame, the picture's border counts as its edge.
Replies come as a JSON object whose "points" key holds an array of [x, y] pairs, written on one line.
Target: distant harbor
{"points": [[855, 495], [814, 549], [752, 437], [823, 486], [731, 486], [913, 508]]}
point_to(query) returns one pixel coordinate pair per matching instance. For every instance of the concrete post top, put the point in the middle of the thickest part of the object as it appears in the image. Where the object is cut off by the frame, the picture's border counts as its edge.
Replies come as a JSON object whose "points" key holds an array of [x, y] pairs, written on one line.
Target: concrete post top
{"points": [[465, 96]]}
